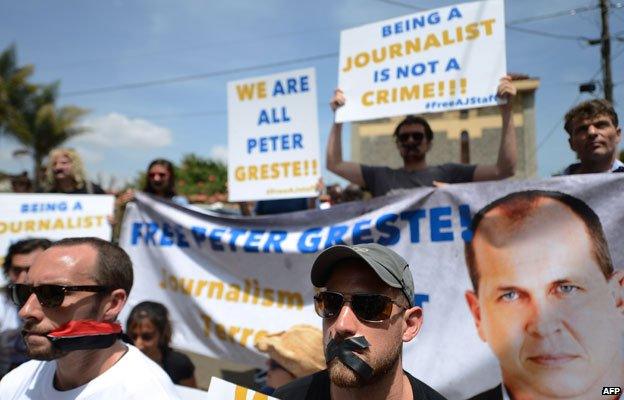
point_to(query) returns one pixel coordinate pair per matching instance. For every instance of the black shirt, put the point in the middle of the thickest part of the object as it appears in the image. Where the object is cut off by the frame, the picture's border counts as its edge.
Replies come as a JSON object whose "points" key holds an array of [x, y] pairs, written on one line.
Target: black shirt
{"points": [[87, 188], [316, 387], [381, 180], [177, 365]]}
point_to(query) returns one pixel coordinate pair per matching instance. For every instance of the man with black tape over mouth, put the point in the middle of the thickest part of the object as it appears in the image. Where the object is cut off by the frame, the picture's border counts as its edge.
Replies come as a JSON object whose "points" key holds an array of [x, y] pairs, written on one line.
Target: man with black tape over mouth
{"points": [[366, 300], [69, 303]]}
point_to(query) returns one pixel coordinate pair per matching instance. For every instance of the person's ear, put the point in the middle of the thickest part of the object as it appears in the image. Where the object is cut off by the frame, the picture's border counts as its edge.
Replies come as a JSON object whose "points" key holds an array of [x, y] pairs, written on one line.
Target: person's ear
{"points": [[475, 310], [112, 305], [616, 283], [429, 144], [571, 143], [413, 319]]}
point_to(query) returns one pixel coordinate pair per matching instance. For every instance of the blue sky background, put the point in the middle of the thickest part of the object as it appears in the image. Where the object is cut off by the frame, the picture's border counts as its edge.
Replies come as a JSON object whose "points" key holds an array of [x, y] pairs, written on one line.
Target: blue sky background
{"points": [[93, 44]]}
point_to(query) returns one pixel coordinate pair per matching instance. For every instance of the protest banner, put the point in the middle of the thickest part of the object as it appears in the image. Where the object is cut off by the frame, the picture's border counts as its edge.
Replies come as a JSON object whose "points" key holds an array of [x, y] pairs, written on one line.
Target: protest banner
{"points": [[224, 390], [53, 216], [273, 140], [229, 281], [438, 60]]}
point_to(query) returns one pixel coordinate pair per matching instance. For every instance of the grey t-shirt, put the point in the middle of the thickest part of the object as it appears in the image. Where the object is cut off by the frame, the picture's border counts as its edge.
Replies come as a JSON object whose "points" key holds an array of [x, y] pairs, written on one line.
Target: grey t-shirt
{"points": [[381, 180]]}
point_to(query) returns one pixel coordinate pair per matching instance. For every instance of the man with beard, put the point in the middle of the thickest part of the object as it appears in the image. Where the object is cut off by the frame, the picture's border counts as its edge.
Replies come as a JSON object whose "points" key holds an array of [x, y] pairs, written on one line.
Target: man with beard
{"points": [[594, 135], [69, 304], [366, 300], [413, 137], [546, 297]]}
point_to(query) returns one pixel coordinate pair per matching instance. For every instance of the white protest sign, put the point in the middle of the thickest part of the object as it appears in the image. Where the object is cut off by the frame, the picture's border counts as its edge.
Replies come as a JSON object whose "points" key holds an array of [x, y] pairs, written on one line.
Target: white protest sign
{"points": [[273, 141], [223, 390], [53, 216], [437, 60]]}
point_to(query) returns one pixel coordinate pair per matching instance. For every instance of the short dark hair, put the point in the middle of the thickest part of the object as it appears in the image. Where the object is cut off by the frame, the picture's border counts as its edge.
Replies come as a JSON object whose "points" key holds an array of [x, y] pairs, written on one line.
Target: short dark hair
{"points": [[158, 315], [414, 120], [522, 204], [590, 109], [113, 265], [170, 190], [23, 247]]}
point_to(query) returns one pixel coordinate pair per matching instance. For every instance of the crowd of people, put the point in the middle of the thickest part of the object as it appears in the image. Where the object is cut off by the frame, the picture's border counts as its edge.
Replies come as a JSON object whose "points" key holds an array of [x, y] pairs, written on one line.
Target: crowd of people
{"points": [[60, 337]]}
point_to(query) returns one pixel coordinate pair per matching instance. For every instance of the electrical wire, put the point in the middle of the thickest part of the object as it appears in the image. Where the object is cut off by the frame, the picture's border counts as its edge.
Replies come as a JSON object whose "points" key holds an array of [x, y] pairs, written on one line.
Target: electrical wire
{"points": [[186, 78]]}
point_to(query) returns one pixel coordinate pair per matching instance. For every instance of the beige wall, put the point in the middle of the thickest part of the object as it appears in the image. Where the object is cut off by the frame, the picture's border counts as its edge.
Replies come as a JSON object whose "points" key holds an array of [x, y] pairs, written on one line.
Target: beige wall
{"points": [[372, 142]]}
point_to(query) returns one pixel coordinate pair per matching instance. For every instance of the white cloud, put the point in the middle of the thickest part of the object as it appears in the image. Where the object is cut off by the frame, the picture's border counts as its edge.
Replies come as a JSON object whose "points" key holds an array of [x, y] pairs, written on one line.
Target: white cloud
{"points": [[219, 152], [118, 131]]}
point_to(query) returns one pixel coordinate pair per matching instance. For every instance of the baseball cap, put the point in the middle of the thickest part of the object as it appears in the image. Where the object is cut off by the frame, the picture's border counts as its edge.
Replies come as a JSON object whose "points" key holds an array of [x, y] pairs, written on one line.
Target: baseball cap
{"points": [[388, 265]]}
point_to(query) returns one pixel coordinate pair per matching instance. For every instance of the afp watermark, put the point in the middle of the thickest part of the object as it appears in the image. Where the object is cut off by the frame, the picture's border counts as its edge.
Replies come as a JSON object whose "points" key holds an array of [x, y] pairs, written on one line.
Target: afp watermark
{"points": [[611, 391]]}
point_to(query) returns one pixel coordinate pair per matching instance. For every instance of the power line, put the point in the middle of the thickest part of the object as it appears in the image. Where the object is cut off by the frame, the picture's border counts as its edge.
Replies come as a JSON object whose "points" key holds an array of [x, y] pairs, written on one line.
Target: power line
{"points": [[563, 13], [398, 3], [185, 78], [549, 34]]}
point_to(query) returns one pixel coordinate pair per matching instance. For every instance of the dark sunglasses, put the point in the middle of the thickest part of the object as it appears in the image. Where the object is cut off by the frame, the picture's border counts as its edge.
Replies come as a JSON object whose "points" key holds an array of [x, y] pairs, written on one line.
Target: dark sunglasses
{"points": [[48, 295], [368, 307], [416, 137]]}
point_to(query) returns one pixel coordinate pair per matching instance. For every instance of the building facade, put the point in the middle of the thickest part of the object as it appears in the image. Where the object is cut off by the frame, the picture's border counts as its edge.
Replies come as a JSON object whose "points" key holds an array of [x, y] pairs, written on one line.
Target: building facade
{"points": [[372, 142]]}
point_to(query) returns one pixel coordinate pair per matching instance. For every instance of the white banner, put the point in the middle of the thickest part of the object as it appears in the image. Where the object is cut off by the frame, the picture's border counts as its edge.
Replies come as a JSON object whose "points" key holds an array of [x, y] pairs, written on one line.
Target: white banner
{"points": [[273, 139], [53, 216], [438, 60], [228, 281], [224, 390]]}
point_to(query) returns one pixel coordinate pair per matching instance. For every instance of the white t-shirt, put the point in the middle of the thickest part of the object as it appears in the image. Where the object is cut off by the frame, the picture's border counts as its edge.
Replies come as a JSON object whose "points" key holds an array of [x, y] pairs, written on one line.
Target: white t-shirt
{"points": [[134, 376]]}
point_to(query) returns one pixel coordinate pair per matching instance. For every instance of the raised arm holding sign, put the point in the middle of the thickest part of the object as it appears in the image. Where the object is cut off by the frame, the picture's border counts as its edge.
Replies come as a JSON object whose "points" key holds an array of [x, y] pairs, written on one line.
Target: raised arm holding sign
{"points": [[414, 139]]}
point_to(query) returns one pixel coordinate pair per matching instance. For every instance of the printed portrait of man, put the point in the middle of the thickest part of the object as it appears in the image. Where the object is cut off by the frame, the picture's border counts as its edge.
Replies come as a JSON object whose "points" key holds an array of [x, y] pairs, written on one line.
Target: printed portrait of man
{"points": [[546, 297]]}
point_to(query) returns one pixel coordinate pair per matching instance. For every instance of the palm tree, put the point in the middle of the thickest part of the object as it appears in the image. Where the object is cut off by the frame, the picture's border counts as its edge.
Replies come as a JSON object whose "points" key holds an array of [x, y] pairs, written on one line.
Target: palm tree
{"points": [[14, 85], [30, 115]]}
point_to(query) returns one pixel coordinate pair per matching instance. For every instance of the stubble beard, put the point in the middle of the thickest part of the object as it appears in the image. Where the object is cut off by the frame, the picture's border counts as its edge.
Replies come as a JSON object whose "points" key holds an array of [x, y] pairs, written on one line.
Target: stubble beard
{"points": [[344, 377]]}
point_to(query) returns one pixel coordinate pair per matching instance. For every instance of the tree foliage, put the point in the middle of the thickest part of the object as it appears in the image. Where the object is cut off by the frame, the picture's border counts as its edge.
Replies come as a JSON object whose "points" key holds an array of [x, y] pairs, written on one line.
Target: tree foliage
{"points": [[29, 114]]}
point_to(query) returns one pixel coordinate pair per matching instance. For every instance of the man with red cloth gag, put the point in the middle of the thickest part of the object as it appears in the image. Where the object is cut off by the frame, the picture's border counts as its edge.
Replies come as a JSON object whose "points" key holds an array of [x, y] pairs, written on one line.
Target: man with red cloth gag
{"points": [[69, 304]]}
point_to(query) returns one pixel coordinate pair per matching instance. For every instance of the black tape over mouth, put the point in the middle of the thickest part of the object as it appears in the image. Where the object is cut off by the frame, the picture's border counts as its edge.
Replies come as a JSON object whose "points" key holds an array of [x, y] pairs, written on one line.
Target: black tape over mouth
{"points": [[344, 350]]}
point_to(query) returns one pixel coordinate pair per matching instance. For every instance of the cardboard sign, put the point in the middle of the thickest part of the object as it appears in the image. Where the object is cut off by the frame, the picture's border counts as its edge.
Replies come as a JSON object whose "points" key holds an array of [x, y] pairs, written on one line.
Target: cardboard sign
{"points": [[437, 60], [273, 140]]}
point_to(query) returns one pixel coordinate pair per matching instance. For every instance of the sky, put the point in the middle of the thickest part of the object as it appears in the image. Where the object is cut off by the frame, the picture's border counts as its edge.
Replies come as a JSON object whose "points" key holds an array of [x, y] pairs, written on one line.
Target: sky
{"points": [[88, 45]]}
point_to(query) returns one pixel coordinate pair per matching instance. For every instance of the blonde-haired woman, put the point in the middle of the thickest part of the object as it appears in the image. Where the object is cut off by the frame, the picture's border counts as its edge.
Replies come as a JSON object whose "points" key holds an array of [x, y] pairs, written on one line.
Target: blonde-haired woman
{"points": [[65, 173]]}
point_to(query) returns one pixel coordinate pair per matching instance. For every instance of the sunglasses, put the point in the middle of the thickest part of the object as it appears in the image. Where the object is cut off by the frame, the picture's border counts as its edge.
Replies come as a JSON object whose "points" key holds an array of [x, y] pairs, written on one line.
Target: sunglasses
{"points": [[50, 296], [367, 307], [416, 137]]}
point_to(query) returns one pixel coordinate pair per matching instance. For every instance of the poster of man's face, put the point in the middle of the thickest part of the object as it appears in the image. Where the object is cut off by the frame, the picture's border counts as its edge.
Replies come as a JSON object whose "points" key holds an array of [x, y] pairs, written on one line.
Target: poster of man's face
{"points": [[546, 297]]}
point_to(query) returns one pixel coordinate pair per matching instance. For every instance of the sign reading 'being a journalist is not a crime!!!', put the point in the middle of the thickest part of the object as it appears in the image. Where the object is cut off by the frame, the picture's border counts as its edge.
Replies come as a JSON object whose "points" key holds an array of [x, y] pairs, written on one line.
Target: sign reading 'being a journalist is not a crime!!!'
{"points": [[437, 60], [273, 140]]}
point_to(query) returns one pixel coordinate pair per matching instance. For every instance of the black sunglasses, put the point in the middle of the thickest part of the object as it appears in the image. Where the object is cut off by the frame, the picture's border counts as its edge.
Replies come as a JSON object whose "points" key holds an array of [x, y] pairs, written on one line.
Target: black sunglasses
{"points": [[369, 307], [416, 137], [48, 295]]}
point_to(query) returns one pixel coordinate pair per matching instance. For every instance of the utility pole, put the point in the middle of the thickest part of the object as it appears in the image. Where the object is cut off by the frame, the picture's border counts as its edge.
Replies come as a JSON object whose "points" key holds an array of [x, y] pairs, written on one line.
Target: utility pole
{"points": [[605, 50]]}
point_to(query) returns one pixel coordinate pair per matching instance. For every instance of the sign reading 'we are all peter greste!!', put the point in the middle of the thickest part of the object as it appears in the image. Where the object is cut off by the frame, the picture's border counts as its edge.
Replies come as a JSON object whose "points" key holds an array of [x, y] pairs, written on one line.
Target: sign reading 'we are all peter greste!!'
{"points": [[437, 60], [273, 142]]}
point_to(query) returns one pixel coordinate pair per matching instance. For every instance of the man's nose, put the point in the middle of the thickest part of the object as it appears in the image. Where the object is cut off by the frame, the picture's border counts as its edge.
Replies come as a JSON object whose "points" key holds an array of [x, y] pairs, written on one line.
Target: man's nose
{"points": [[346, 324], [31, 309], [545, 320], [592, 130]]}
